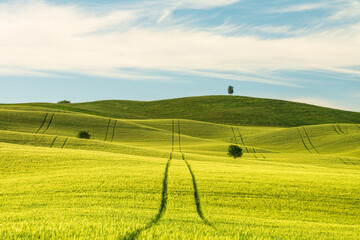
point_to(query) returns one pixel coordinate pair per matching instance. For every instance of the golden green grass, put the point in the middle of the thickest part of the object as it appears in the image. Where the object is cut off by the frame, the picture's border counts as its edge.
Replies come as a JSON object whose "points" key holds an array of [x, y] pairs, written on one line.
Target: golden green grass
{"points": [[292, 183]]}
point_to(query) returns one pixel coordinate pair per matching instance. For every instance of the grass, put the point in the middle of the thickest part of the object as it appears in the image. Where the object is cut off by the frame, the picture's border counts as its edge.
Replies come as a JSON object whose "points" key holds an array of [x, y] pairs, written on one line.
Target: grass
{"points": [[297, 182], [232, 110]]}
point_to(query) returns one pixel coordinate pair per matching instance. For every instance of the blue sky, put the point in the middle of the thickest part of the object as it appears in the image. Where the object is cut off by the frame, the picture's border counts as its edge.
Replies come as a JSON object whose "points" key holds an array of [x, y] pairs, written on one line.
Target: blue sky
{"points": [[306, 51]]}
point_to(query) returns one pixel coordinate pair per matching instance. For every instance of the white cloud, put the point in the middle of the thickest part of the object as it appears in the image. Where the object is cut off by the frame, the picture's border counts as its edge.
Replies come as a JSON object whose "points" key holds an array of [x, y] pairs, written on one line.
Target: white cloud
{"points": [[301, 7], [41, 37]]}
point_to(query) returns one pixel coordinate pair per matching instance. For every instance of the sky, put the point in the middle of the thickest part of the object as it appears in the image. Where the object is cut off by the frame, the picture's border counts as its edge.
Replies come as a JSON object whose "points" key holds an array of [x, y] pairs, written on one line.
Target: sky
{"points": [[87, 50]]}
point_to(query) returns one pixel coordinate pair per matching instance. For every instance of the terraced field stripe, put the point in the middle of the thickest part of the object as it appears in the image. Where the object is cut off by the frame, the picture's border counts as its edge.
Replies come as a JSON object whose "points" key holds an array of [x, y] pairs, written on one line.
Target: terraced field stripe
{"points": [[107, 129], [242, 140], [302, 139], [310, 140], [43, 122], [63, 145], [179, 132], [50, 121], [232, 129], [52, 144], [196, 194], [113, 133], [162, 208]]}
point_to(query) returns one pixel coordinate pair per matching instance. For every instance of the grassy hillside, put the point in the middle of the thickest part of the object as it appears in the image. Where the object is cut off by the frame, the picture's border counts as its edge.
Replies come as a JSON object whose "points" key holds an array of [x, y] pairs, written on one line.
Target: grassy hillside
{"points": [[172, 179], [233, 110]]}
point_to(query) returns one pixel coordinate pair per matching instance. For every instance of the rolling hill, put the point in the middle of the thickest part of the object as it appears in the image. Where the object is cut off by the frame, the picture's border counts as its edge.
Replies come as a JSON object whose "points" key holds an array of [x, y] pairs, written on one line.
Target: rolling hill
{"points": [[232, 110], [141, 176]]}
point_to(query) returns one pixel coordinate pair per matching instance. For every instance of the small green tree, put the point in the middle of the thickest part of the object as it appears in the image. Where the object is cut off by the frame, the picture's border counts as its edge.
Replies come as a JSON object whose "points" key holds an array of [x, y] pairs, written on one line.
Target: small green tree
{"points": [[235, 151], [230, 90], [84, 134], [64, 102]]}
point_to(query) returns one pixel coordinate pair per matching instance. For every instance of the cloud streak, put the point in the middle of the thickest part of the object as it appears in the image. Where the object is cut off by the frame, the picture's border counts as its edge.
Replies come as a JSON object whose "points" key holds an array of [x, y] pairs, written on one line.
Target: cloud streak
{"points": [[36, 36]]}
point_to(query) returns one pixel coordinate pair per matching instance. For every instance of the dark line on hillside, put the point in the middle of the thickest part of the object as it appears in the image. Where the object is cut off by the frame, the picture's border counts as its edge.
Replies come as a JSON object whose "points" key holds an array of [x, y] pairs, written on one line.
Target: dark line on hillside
{"points": [[113, 133], [173, 135], [179, 135], [196, 194], [63, 145], [342, 160], [52, 144], [196, 191], [47, 127], [310, 140], [232, 129], [254, 153], [162, 208], [247, 150], [302, 139], [358, 126], [350, 161], [43, 122], [336, 130], [107, 129], [340, 129], [242, 140]]}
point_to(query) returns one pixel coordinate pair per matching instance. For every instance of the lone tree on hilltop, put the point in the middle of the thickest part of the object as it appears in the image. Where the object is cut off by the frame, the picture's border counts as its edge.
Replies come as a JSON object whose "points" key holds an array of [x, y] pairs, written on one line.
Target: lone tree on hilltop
{"points": [[235, 151], [230, 90]]}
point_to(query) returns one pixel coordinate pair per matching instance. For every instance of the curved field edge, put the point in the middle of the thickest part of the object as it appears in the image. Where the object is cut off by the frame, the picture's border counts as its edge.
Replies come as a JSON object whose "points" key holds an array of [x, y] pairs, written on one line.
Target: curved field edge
{"points": [[232, 110]]}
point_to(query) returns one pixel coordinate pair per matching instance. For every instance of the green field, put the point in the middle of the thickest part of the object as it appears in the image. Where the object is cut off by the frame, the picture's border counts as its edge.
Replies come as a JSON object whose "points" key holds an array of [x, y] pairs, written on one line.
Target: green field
{"points": [[153, 174]]}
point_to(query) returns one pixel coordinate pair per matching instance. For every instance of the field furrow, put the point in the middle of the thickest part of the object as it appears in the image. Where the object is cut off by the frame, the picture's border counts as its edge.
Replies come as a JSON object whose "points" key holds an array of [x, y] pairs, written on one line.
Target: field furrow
{"points": [[42, 123]]}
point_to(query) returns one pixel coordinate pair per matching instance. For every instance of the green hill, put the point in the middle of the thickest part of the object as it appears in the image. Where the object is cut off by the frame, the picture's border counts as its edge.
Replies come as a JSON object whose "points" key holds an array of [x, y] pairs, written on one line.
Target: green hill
{"points": [[171, 178], [232, 110]]}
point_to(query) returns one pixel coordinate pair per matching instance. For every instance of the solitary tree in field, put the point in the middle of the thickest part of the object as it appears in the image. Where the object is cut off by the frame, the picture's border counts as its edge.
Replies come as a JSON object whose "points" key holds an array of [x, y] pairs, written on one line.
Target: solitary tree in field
{"points": [[230, 89], [235, 151], [84, 134]]}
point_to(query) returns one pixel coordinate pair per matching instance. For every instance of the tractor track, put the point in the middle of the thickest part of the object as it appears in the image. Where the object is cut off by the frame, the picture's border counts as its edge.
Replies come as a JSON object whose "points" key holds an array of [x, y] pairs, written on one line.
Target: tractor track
{"points": [[232, 129], [302, 139], [113, 132], [242, 140], [52, 144], [164, 197], [43, 122], [312, 145], [107, 129], [50, 121], [63, 145], [196, 191]]}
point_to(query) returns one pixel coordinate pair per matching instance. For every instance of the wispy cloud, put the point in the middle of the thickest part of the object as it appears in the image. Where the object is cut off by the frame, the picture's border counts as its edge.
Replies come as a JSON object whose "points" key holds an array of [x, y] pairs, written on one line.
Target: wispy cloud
{"points": [[36, 36], [303, 7]]}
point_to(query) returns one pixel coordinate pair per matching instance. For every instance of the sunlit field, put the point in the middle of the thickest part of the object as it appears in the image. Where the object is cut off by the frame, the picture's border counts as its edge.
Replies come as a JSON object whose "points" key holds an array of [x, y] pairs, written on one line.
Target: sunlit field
{"points": [[171, 178]]}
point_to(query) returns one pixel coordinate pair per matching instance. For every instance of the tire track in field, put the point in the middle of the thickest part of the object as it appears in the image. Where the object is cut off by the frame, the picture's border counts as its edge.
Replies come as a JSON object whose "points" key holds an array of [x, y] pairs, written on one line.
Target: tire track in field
{"points": [[43, 122], [52, 144], [302, 139], [242, 140], [162, 208], [338, 126], [164, 198], [334, 127], [63, 145], [262, 155], [310, 140], [196, 191], [113, 132], [343, 133], [107, 129], [232, 129], [50, 121]]}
